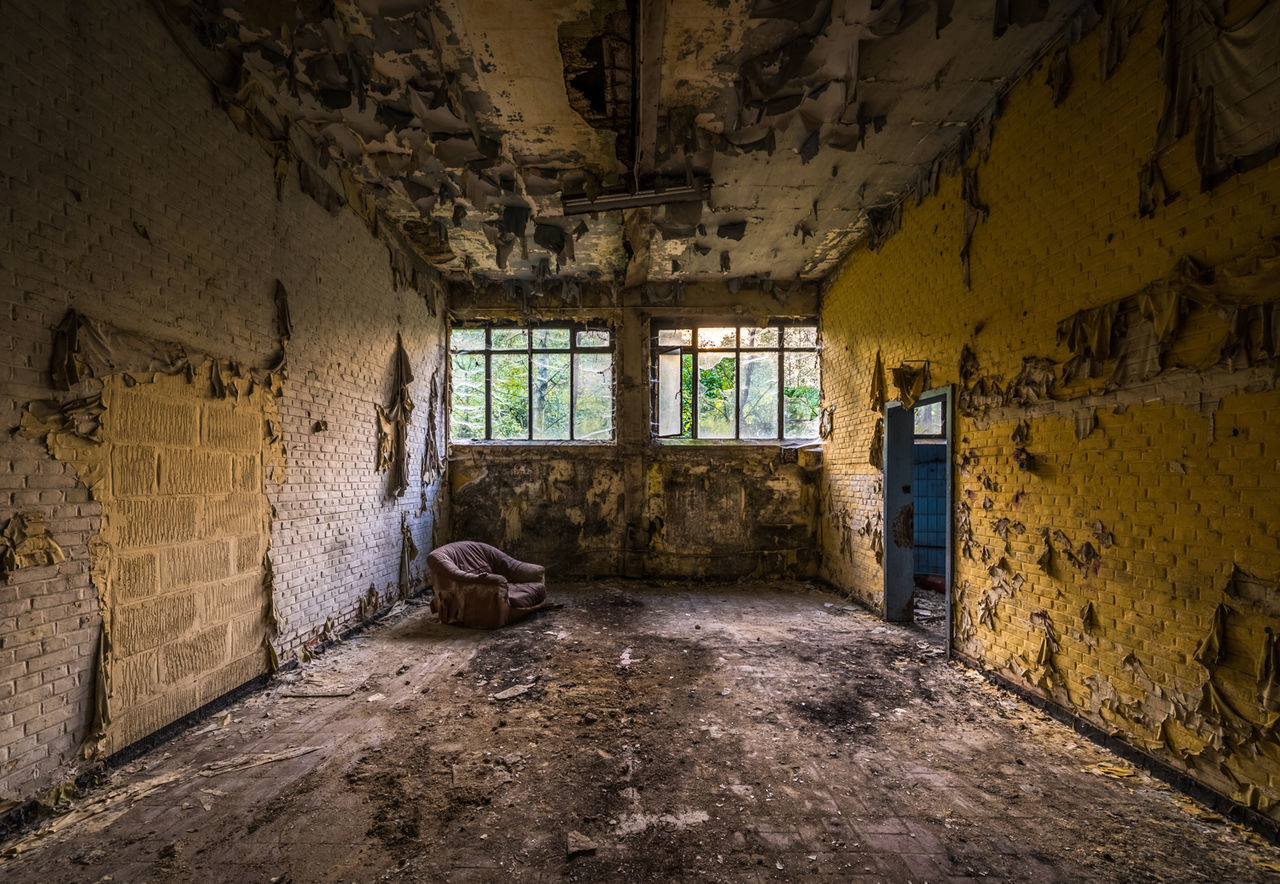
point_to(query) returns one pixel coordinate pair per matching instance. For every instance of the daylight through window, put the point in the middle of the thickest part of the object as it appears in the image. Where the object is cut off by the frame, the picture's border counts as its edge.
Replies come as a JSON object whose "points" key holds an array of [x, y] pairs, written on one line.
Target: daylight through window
{"points": [[735, 382], [542, 383]]}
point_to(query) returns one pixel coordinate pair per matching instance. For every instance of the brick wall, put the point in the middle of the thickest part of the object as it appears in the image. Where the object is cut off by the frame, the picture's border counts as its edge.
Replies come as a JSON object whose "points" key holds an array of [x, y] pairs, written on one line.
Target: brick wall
{"points": [[130, 196], [1156, 488]]}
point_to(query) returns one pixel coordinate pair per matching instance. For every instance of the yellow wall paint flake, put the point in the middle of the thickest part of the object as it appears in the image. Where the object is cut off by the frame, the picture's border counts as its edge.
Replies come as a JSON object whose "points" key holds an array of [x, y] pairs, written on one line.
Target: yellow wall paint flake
{"points": [[1110, 513]]}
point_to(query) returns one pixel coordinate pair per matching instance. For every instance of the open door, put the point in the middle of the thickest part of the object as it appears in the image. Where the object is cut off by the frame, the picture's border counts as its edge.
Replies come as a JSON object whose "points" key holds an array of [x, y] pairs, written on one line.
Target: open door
{"points": [[899, 554], [918, 504]]}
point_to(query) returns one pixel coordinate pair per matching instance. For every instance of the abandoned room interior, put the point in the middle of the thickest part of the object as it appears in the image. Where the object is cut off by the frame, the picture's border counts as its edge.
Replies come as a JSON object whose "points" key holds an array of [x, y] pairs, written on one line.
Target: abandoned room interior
{"points": [[887, 387]]}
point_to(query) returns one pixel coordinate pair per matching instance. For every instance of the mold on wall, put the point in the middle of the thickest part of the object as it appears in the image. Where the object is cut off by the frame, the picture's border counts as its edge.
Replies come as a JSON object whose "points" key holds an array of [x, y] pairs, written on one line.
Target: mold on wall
{"points": [[559, 506], [1116, 372]]}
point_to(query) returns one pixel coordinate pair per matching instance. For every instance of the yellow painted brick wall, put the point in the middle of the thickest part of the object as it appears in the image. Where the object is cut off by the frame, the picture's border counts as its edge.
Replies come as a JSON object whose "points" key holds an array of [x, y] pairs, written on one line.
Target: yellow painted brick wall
{"points": [[1177, 488]]}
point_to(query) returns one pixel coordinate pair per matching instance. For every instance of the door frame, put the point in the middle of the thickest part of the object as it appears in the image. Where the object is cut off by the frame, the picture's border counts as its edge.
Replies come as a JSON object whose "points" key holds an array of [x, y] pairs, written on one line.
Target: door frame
{"points": [[899, 449]]}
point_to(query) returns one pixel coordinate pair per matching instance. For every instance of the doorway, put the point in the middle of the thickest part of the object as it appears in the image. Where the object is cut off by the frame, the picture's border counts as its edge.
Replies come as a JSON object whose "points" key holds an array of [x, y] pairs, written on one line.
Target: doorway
{"points": [[917, 517]]}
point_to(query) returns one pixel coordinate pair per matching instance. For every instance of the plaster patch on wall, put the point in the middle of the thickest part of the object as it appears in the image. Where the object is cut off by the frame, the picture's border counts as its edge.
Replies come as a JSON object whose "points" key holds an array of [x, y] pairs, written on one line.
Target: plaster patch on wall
{"points": [[174, 450]]}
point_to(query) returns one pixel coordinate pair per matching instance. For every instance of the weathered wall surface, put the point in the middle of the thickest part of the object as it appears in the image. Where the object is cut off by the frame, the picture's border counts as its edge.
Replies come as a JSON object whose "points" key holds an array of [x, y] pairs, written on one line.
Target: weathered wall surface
{"points": [[133, 198], [1117, 493], [706, 512], [556, 505], [636, 507]]}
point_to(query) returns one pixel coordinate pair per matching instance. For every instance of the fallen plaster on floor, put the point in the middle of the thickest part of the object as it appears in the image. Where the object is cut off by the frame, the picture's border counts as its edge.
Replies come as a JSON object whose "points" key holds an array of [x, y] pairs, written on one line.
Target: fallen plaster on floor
{"points": [[765, 731]]}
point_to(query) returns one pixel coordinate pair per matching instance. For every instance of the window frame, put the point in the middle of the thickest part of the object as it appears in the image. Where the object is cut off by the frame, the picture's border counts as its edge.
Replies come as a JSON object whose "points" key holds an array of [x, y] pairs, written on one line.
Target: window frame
{"points": [[573, 350], [694, 350]]}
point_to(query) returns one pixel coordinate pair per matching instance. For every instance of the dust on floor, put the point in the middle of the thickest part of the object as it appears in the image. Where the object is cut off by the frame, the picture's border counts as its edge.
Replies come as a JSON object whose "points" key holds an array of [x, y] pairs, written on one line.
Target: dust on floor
{"points": [[640, 731]]}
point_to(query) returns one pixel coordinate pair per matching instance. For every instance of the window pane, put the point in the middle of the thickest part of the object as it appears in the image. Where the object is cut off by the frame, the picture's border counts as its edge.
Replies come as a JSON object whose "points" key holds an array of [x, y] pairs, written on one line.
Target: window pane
{"points": [[686, 392], [670, 394], [759, 396], [800, 396], [716, 399], [552, 338], [593, 404], [800, 336], [551, 394], [467, 339], [717, 338], [928, 419], [510, 338], [759, 337], [509, 396], [466, 416], [675, 337], [596, 337]]}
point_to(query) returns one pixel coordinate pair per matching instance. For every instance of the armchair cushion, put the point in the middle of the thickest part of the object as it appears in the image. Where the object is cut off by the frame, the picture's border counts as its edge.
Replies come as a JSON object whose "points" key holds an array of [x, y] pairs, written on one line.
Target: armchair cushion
{"points": [[479, 585]]}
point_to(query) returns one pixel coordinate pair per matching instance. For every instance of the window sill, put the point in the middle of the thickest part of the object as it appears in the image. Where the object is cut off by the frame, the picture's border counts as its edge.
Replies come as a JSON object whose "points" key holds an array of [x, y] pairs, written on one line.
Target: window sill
{"points": [[735, 443], [534, 443]]}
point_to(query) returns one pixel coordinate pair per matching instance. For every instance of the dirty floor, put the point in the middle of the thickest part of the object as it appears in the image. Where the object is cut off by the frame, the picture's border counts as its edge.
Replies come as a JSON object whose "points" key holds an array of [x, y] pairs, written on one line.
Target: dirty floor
{"points": [[641, 732]]}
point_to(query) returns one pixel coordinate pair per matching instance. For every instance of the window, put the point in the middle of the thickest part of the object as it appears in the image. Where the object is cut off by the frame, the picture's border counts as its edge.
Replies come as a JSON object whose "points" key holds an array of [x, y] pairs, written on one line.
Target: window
{"points": [[542, 382], [751, 383], [928, 418]]}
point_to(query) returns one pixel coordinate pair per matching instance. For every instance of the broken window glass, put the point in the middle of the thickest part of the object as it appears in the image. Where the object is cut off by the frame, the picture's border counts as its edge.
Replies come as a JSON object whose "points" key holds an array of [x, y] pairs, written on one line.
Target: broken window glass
{"points": [[551, 338], [801, 395], [551, 373], [542, 383], [509, 395], [758, 393], [750, 383], [509, 338], [717, 338], [758, 337], [466, 419], [593, 396], [800, 336], [596, 337]]}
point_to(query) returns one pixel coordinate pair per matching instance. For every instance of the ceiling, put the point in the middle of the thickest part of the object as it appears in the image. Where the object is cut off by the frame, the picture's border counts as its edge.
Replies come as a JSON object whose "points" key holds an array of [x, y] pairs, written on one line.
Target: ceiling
{"points": [[628, 141]]}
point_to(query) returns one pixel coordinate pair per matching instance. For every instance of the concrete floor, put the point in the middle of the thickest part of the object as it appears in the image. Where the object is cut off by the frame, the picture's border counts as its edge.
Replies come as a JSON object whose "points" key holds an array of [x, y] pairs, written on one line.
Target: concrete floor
{"points": [[637, 731]]}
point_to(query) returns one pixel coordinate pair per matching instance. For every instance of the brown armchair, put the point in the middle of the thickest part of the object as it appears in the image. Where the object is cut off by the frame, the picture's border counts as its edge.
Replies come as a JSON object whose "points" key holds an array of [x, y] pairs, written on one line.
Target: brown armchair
{"points": [[479, 585]]}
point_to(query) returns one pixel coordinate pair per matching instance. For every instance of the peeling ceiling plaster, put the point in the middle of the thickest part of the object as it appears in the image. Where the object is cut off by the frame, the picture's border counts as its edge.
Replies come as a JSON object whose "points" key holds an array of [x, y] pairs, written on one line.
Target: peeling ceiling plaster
{"points": [[469, 122]]}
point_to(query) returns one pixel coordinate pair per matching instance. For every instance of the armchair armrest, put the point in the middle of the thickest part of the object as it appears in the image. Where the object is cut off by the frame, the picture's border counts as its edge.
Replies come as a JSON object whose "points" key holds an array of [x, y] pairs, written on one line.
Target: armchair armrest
{"points": [[524, 572], [486, 577]]}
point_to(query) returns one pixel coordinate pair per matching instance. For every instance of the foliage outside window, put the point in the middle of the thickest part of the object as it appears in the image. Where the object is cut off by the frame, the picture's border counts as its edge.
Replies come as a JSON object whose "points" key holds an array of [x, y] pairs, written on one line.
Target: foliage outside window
{"points": [[541, 383], [736, 382]]}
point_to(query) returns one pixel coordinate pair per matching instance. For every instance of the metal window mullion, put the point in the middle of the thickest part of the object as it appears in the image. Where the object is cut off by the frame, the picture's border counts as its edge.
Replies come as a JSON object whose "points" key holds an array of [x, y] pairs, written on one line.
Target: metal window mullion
{"points": [[528, 374], [782, 365], [737, 389], [695, 357], [573, 384], [488, 385]]}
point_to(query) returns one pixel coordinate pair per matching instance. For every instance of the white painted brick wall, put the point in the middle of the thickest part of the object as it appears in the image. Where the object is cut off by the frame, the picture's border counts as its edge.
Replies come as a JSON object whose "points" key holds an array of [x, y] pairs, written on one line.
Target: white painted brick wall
{"points": [[106, 128]]}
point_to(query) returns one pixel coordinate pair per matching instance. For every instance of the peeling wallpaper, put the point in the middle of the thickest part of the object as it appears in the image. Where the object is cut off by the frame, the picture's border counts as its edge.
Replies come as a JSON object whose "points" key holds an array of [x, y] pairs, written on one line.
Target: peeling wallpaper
{"points": [[1115, 365]]}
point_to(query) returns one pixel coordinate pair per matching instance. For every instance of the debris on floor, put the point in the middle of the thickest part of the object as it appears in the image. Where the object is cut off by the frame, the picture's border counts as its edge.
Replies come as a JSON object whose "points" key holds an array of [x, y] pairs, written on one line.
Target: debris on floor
{"points": [[769, 745]]}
